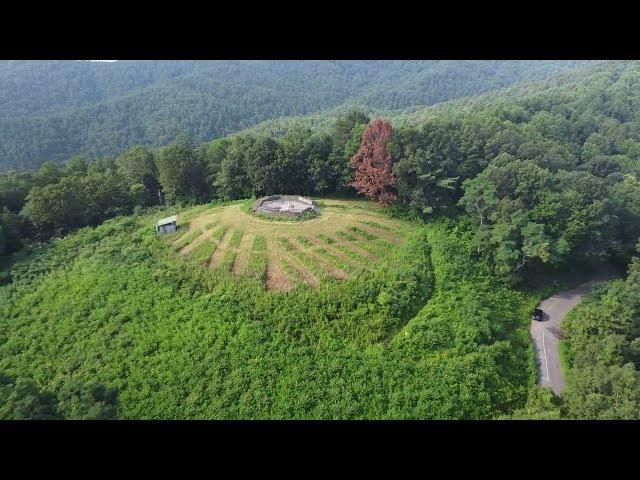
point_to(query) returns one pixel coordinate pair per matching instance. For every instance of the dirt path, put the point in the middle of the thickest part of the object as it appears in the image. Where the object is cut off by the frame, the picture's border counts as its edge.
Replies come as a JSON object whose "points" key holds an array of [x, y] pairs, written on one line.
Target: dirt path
{"points": [[547, 334]]}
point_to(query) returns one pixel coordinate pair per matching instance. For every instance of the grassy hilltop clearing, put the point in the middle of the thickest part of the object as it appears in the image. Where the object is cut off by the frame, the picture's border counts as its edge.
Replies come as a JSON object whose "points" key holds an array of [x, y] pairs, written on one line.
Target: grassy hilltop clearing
{"points": [[380, 324], [350, 237]]}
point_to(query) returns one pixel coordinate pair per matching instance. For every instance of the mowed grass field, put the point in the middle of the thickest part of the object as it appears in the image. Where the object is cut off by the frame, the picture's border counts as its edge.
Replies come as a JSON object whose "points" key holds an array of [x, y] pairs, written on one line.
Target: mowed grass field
{"points": [[348, 237]]}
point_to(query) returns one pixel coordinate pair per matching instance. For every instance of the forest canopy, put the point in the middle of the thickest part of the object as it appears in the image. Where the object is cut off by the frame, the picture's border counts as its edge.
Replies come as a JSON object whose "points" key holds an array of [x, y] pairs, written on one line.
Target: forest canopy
{"points": [[53, 110]]}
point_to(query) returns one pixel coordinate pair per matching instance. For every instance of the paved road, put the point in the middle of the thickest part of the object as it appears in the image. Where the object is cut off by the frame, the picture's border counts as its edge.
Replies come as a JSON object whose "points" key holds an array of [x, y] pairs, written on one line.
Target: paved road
{"points": [[547, 333]]}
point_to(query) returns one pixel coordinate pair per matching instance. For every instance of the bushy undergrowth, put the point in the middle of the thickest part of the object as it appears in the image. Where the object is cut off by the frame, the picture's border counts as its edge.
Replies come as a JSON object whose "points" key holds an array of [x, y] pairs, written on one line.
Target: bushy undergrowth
{"points": [[427, 333], [474, 331]]}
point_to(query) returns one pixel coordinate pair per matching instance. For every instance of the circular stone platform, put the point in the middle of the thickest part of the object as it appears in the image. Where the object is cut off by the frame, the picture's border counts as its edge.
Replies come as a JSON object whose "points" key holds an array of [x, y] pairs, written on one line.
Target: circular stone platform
{"points": [[287, 205]]}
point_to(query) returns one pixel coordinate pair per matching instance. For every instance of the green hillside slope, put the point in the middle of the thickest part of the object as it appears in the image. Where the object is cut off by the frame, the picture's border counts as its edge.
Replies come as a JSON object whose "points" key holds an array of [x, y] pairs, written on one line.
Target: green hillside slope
{"points": [[114, 314]]}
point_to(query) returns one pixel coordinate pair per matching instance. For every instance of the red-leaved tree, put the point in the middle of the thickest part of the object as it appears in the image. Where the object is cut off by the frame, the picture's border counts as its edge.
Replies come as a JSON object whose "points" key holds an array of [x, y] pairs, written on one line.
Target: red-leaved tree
{"points": [[372, 163]]}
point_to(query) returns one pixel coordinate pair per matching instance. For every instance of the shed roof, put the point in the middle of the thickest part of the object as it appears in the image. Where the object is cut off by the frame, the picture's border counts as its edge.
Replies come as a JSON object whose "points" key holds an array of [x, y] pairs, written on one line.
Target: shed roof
{"points": [[165, 221]]}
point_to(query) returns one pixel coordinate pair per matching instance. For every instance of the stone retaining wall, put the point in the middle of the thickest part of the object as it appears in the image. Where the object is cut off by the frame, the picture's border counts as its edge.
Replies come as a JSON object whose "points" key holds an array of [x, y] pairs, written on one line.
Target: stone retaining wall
{"points": [[275, 209]]}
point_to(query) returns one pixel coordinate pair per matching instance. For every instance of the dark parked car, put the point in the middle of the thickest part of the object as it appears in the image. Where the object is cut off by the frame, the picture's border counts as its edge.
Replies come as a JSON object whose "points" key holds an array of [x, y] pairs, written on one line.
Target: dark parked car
{"points": [[538, 315]]}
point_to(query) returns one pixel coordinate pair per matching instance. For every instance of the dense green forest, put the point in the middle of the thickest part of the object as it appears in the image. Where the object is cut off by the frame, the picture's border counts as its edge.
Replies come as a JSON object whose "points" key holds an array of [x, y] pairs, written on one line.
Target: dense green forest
{"points": [[56, 109], [503, 189]]}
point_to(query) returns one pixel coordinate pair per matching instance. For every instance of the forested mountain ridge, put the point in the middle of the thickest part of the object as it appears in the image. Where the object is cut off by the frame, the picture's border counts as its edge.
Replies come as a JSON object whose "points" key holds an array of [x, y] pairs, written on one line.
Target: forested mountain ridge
{"points": [[53, 110], [415, 115]]}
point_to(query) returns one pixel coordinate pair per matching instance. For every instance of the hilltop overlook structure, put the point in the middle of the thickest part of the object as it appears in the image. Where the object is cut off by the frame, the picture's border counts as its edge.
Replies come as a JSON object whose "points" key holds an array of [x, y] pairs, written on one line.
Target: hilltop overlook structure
{"points": [[288, 205]]}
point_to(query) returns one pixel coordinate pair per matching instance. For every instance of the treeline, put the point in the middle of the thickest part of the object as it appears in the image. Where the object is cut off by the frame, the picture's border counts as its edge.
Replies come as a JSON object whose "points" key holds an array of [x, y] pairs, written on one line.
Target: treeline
{"points": [[54, 110], [55, 200]]}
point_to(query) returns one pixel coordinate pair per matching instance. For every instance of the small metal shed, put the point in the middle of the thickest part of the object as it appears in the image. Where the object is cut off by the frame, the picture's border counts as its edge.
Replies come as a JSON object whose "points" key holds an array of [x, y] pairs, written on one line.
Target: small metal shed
{"points": [[167, 225]]}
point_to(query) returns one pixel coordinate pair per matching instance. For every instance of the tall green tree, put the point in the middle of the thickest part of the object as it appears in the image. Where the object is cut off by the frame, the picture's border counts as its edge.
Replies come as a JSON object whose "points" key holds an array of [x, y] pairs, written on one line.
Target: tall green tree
{"points": [[138, 166], [212, 154], [425, 169], [182, 173], [232, 180], [345, 138], [260, 160], [57, 208]]}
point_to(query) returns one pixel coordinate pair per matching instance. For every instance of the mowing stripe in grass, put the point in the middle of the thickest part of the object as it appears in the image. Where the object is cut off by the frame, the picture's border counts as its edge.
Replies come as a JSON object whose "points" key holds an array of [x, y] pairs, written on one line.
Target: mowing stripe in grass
{"points": [[187, 239], [302, 273], [326, 238], [379, 248], [363, 233], [380, 226], [325, 263], [234, 242], [298, 277], [259, 244], [278, 279], [179, 235], [289, 261], [210, 225], [336, 261], [244, 250], [363, 261], [206, 235], [227, 260], [285, 244], [355, 247], [350, 253], [292, 272], [304, 241], [394, 237], [257, 264], [221, 239], [202, 252], [384, 243], [346, 236], [312, 265], [219, 233]]}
